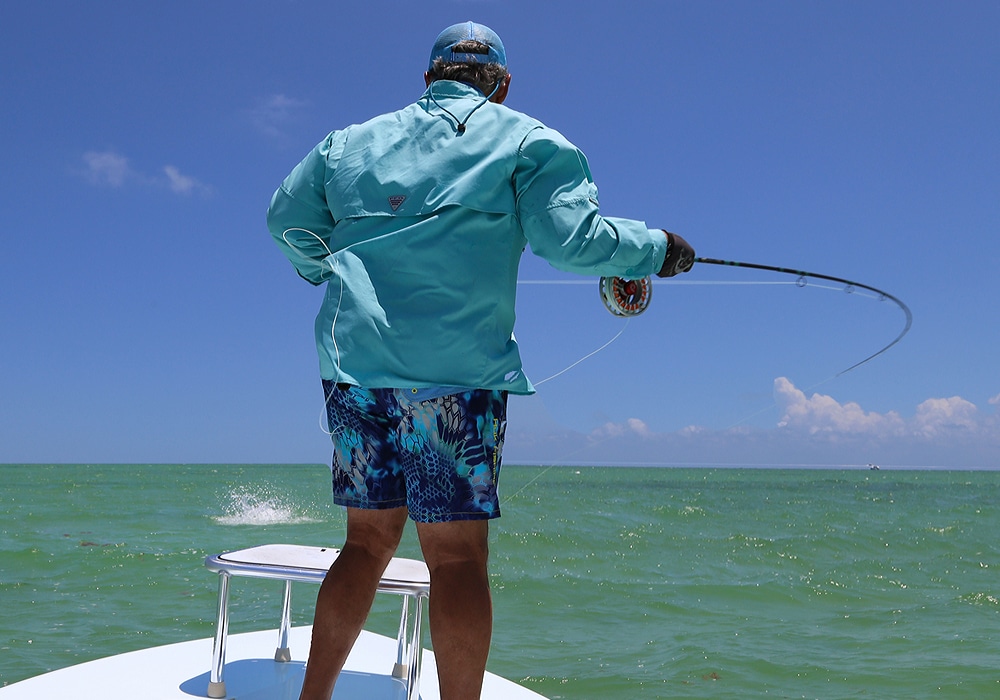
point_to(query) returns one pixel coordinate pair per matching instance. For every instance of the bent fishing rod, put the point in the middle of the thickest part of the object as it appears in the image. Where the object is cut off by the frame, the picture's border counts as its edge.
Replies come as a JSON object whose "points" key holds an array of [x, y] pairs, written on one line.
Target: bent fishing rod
{"points": [[628, 298]]}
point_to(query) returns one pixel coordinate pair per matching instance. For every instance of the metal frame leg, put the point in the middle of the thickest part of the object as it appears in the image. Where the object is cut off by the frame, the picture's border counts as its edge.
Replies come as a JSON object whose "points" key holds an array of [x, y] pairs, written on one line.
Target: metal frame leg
{"points": [[415, 651], [216, 685], [408, 642], [283, 653], [401, 668]]}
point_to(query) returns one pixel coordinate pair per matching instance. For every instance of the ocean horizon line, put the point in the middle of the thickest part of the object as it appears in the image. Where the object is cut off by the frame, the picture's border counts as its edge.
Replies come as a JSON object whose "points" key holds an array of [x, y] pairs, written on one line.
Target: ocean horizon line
{"points": [[558, 464]]}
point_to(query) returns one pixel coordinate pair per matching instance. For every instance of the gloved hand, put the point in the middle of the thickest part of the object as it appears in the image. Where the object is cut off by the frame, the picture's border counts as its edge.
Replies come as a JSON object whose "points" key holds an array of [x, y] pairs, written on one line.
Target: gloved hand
{"points": [[680, 256]]}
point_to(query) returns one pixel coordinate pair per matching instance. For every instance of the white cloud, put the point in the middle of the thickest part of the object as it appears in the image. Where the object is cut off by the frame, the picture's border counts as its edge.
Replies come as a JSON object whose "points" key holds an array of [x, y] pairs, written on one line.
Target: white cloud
{"points": [[935, 418], [995, 400], [106, 168], [638, 427], [273, 115], [632, 426], [940, 416], [183, 184], [111, 169], [821, 414], [813, 430]]}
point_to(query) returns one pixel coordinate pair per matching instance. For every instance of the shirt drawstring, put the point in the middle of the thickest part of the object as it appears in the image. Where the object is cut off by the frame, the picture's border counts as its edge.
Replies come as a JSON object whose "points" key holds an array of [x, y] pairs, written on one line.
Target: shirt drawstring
{"points": [[461, 124]]}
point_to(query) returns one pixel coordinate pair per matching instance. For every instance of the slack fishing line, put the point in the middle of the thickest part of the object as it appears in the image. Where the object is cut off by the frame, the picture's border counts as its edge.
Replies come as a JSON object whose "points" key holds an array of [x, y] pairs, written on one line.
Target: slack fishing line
{"points": [[626, 298], [335, 268]]}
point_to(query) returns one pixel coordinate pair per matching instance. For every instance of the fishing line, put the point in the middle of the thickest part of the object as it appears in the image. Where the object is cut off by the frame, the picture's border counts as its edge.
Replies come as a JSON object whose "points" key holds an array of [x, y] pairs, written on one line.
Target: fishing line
{"points": [[627, 298], [335, 269], [585, 357], [506, 499], [589, 282], [627, 317], [334, 266]]}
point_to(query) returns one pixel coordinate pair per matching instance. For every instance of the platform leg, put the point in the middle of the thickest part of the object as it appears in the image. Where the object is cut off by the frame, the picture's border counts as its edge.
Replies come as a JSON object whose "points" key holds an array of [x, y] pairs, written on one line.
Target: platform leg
{"points": [[401, 668], [283, 653], [216, 685], [408, 645], [415, 651]]}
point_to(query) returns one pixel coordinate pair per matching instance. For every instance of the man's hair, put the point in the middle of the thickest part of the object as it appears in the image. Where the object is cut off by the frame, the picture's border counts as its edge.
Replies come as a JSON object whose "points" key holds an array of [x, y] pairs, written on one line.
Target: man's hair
{"points": [[485, 76]]}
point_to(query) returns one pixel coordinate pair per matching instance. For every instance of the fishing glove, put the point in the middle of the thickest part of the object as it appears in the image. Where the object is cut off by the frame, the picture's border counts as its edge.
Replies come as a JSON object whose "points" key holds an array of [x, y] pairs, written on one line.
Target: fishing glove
{"points": [[679, 258]]}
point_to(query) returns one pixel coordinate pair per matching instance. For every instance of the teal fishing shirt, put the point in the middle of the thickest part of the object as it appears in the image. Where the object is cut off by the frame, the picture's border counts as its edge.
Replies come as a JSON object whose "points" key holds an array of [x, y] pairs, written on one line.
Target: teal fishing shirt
{"points": [[417, 229]]}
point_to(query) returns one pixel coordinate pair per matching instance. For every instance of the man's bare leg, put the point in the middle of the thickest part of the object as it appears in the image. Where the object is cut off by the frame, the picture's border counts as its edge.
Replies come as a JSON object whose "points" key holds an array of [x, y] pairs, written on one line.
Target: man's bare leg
{"points": [[461, 610], [346, 596]]}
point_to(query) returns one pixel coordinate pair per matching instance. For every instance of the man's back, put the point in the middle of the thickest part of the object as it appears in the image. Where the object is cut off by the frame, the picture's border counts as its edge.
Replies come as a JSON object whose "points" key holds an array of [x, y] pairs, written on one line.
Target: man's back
{"points": [[422, 225]]}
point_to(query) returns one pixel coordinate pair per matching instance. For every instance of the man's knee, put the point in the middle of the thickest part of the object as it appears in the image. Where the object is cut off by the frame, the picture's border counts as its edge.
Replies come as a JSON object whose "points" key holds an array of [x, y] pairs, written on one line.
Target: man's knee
{"points": [[375, 532], [462, 543]]}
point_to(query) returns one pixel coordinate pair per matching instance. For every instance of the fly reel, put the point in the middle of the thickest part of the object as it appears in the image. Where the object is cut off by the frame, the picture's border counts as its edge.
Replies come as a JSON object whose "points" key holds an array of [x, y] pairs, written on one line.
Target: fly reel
{"points": [[624, 297]]}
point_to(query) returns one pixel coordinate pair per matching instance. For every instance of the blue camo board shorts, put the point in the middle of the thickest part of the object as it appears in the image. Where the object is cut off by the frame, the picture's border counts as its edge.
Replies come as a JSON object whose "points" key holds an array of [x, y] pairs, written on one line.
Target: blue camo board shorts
{"points": [[439, 457]]}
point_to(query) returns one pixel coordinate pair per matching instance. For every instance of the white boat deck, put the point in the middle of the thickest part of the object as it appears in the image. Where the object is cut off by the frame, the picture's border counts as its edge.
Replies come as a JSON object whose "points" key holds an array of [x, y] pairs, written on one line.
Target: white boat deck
{"points": [[249, 667], [181, 672]]}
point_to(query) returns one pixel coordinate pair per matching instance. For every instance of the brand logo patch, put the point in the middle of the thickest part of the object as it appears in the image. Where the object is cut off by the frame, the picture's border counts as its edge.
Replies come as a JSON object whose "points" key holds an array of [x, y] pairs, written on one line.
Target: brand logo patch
{"points": [[395, 200]]}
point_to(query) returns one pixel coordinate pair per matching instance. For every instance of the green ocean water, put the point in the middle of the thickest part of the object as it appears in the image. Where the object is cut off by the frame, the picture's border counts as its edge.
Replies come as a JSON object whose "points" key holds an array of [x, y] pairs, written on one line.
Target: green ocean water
{"points": [[608, 582]]}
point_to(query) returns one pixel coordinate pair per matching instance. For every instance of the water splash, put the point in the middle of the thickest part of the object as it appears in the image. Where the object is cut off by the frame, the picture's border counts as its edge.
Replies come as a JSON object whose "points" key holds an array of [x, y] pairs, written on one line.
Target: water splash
{"points": [[258, 506]]}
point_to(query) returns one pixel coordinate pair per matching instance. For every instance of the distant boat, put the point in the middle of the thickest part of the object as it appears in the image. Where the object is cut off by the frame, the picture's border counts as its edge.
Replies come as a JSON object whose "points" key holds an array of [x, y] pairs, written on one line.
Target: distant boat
{"points": [[873, 467]]}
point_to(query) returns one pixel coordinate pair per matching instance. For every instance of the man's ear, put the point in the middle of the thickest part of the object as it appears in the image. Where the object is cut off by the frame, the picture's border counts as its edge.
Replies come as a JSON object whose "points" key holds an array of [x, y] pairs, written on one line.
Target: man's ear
{"points": [[501, 93]]}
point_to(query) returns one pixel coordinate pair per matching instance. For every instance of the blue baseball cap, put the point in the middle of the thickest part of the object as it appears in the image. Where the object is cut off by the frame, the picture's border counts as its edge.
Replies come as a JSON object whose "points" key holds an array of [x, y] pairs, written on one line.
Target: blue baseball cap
{"points": [[466, 31]]}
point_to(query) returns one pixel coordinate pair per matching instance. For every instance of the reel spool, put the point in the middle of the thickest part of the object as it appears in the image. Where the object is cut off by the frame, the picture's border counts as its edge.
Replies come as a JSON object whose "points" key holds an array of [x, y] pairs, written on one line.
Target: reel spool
{"points": [[624, 297]]}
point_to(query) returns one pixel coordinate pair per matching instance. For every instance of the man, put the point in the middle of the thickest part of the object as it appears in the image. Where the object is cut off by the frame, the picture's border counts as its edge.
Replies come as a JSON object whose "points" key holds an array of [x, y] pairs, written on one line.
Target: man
{"points": [[417, 220]]}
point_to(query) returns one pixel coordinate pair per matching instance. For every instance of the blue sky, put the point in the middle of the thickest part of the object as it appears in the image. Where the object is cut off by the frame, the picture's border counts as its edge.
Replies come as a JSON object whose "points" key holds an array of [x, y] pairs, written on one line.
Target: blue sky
{"points": [[147, 316]]}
